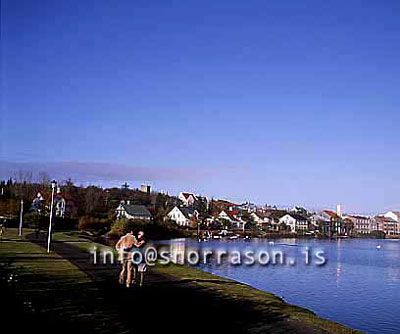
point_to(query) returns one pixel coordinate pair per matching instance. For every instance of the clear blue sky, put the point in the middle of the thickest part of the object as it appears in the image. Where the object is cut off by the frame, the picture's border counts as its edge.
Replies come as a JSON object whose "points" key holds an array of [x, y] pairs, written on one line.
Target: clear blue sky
{"points": [[286, 102]]}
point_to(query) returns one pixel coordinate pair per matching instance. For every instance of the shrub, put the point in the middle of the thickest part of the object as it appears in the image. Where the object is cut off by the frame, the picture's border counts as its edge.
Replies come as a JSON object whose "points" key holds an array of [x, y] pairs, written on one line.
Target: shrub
{"points": [[65, 223], [36, 221], [91, 223], [152, 230], [118, 227]]}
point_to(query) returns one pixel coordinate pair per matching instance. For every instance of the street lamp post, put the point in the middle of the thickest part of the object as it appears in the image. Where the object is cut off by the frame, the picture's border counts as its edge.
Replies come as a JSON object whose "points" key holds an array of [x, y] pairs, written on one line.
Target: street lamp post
{"points": [[198, 231], [20, 218], [53, 186]]}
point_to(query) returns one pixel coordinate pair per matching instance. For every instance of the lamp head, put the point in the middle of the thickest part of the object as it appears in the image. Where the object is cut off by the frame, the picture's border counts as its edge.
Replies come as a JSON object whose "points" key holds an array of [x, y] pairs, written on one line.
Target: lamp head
{"points": [[53, 184]]}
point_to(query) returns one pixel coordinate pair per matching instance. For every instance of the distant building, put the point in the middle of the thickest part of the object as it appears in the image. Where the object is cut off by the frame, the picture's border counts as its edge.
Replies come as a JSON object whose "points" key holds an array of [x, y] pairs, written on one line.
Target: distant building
{"points": [[271, 219], [247, 206], [239, 225], [183, 216], [361, 224], [221, 204], [224, 215], [42, 206], [232, 219], [395, 215], [38, 203], [388, 225], [59, 205], [132, 211], [260, 218], [339, 210], [337, 224], [145, 188], [322, 220]]}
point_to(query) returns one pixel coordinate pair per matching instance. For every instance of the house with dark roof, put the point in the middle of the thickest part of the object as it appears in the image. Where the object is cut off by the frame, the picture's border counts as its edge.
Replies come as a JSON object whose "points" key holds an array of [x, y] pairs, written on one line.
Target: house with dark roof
{"points": [[183, 216], [132, 211]]}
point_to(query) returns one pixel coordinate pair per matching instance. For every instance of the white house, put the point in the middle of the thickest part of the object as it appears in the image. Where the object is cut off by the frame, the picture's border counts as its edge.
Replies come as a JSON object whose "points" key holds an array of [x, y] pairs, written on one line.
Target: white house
{"points": [[234, 218], [294, 221], [224, 215], [59, 205], [188, 199], [238, 225], [182, 216], [229, 215], [260, 218], [322, 221]]}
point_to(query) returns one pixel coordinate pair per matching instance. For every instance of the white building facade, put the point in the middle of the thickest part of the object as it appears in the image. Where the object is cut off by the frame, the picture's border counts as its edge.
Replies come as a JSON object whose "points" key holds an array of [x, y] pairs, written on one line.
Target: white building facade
{"points": [[182, 216]]}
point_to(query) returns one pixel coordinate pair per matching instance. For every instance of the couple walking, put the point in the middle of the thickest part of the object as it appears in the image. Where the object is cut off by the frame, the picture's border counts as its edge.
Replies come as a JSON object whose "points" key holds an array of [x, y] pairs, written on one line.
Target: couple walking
{"points": [[126, 246]]}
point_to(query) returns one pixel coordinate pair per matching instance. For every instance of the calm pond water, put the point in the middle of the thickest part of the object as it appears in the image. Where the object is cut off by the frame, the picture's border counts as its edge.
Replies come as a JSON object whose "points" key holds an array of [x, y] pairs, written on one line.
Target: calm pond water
{"points": [[359, 286]]}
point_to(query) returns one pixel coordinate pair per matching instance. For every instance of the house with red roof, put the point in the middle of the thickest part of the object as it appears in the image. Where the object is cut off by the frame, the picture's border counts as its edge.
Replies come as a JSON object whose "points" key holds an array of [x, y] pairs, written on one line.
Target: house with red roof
{"points": [[188, 199], [233, 217], [337, 225]]}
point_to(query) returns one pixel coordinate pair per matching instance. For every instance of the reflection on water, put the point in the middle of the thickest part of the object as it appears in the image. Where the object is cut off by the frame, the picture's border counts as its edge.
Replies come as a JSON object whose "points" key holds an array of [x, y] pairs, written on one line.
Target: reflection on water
{"points": [[339, 261], [359, 286], [177, 251]]}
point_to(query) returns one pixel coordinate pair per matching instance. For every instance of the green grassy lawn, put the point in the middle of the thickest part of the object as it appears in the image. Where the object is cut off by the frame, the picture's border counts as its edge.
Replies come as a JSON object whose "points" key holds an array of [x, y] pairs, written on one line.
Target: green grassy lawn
{"points": [[27, 258], [52, 286], [47, 288]]}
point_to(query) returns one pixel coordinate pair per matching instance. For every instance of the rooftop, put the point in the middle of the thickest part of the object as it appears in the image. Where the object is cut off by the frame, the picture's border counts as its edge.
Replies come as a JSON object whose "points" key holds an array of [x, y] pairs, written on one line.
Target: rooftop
{"points": [[187, 212], [136, 210]]}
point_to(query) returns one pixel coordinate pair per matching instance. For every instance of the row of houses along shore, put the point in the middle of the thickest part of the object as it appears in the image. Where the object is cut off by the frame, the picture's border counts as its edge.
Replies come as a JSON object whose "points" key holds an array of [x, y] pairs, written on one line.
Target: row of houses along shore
{"points": [[225, 215], [192, 211]]}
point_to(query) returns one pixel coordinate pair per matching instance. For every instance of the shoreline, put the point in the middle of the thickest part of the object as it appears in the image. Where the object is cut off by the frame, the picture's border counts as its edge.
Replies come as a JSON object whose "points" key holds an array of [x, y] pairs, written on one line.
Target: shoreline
{"points": [[105, 238], [195, 275], [304, 316]]}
